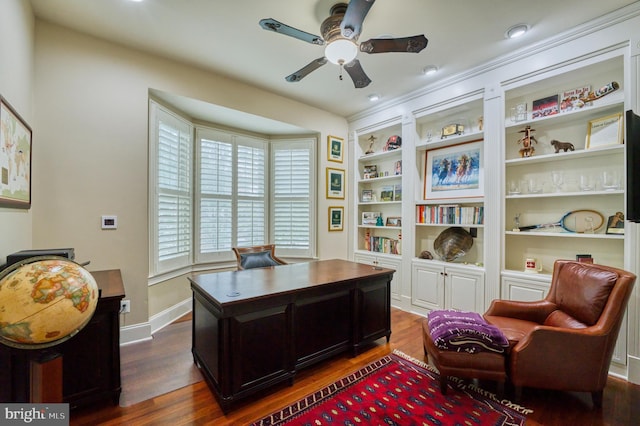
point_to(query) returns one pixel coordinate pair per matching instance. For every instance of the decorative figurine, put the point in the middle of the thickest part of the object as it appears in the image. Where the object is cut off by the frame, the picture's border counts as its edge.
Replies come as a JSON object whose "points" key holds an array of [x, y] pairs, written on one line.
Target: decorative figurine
{"points": [[379, 221], [372, 140], [367, 241], [598, 93], [481, 123], [566, 146], [516, 219], [527, 148]]}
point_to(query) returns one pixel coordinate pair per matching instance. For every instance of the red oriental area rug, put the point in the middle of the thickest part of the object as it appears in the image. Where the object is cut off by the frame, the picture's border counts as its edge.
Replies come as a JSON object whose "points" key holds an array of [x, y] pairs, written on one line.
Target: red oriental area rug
{"points": [[398, 390]]}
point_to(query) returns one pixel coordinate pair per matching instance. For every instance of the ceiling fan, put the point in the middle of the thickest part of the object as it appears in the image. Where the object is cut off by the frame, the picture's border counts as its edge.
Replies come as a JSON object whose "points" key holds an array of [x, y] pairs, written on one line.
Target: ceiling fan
{"points": [[340, 32]]}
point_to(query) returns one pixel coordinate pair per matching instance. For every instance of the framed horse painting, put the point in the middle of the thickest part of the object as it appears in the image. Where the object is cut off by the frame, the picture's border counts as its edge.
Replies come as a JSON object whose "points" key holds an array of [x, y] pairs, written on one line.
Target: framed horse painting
{"points": [[454, 171]]}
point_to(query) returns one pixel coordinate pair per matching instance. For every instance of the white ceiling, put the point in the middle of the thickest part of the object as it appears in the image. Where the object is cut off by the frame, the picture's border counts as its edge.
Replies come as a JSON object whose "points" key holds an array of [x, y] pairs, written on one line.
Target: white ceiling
{"points": [[224, 37]]}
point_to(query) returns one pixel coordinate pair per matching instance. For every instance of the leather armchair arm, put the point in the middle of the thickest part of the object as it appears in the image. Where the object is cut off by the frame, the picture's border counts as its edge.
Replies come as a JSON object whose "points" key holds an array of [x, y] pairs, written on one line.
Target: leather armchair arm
{"points": [[536, 311], [576, 354]]}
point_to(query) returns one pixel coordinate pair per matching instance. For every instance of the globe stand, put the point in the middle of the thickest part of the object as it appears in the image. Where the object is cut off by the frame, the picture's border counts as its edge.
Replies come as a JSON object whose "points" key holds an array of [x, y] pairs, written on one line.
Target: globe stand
{"points": [[46, 377]]}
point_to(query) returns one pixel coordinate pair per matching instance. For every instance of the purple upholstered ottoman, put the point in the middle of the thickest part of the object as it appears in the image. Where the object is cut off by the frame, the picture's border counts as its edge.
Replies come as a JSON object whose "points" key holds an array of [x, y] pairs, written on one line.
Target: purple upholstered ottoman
{"points": [[462, 358]]}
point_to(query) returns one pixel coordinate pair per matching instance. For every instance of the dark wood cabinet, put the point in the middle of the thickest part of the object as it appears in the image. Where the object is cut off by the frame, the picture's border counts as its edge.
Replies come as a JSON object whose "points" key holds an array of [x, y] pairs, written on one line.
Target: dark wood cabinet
{"points": [[285, 318], [90, 359]]}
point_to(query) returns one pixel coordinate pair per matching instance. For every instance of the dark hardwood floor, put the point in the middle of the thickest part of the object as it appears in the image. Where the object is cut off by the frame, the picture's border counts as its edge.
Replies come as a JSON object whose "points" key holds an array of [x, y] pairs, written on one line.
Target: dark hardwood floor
{"points": [[161, 375]]}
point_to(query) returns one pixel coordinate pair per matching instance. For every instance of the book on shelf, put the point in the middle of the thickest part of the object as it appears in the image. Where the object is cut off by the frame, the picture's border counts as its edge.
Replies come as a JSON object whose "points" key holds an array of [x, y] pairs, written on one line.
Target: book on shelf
{"points": [[382, 244], [450, 214]]}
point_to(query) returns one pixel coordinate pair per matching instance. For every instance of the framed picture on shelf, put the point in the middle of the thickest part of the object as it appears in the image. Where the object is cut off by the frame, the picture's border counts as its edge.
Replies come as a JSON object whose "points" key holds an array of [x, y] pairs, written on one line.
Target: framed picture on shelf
{"points": [[334, 145], [335, 183], [545, 107], [615, 224], [336, 218], [455, 171], [397, 192], [366, 196], [15, 158], [370, 171], [394, 221], [397, 168], [604, 131], [370, 218], [386, 193]]}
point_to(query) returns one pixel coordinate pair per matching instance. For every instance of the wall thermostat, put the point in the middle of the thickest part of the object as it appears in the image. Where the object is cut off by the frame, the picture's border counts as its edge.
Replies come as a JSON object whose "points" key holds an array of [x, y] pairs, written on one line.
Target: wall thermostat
{"points": [[109, 222]]}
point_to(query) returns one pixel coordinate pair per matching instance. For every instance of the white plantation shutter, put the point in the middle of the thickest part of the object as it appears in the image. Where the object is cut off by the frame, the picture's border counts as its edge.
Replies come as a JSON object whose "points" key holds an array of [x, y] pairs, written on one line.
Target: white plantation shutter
{"points": [[232, 172], [292, 197], [242, 191], [252, 170], [215, 193], [172, 174]]}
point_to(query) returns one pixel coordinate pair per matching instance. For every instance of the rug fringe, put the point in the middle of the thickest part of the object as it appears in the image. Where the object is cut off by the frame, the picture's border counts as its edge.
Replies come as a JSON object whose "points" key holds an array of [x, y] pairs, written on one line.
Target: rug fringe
{"points": [[460, 384]]}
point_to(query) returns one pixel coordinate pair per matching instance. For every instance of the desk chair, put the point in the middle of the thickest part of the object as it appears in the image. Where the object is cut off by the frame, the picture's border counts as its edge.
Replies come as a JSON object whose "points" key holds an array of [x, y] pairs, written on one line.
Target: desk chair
{"points": [[257, 257]]}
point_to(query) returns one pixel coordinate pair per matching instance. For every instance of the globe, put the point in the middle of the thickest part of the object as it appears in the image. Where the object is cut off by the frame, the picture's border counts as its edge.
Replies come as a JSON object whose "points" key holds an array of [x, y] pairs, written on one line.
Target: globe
{"points": [[45, 301]]}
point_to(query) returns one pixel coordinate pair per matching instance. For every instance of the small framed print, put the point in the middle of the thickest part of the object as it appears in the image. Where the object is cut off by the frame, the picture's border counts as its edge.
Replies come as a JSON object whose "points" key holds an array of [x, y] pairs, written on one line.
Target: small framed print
{"points": [[336, 218], [335, 147], [371, 218], [394, 221], [604, 131], [367, 196], [335, 183]]}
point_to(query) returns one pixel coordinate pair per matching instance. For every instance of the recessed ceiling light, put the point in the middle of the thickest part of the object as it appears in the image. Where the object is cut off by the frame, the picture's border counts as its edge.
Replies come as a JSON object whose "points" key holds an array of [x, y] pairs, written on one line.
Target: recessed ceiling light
{"points": [[430, 69], [516, 31], [374, 97]]}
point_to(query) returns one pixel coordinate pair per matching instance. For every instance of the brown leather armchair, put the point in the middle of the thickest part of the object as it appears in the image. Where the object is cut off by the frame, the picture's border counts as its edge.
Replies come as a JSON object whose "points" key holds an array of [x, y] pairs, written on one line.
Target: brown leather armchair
{"points": [[566, 341], [257, 256]]}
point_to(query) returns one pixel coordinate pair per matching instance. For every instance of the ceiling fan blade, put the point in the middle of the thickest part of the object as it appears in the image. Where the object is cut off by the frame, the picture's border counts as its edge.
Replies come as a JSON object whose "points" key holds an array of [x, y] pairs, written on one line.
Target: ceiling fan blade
{"points": [[357, 10], [306, 70], [278, 27], [357, 74], [406, 44]]}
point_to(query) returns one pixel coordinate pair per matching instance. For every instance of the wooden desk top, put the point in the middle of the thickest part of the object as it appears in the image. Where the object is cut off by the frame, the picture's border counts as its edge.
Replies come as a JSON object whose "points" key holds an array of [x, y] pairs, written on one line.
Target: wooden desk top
{"points": [[109, 282], [283, 279]]}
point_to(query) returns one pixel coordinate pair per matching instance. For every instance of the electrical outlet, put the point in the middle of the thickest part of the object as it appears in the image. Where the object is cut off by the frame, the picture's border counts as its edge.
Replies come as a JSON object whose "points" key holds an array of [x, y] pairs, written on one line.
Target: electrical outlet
{"points": [[125, 306]]}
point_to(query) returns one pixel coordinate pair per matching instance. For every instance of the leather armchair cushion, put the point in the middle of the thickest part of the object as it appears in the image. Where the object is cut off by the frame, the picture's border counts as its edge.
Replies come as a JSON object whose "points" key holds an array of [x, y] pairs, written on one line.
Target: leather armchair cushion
{"points": [[561, 319], [584, 292], [257, 260], [513, 329]]}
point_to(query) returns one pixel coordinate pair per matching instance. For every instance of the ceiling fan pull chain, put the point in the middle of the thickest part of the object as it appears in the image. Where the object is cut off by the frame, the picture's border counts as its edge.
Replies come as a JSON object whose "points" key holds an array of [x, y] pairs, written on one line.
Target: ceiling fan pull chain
{"points": [[341, 69]]}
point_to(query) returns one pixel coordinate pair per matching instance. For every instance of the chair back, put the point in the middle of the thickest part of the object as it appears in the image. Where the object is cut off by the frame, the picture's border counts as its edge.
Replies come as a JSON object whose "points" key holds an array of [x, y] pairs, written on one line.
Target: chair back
{"points": [[257, 257], [591, 294]]}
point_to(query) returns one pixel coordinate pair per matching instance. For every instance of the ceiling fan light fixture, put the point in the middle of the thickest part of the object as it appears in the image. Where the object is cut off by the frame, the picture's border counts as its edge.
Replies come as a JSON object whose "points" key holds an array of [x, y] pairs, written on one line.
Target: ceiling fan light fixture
{"points": [[374, 97], [341, 51], [516, 31]]}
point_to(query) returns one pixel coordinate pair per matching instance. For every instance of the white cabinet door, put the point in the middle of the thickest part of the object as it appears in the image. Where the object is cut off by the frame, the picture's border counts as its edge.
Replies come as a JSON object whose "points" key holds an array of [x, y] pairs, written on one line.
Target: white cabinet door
{"points": [[464, 289], [383, 262], [427, 286], [514, 288]]}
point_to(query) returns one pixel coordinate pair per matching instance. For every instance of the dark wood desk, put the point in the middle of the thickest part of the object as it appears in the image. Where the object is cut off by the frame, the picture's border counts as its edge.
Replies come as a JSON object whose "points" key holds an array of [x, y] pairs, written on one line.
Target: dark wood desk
{"points": [[90, 359], [284, 318]]}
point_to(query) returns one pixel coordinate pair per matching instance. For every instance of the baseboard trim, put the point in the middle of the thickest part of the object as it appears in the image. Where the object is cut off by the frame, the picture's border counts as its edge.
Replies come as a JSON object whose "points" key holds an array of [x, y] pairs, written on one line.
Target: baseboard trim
{"points": [[169, 315], [145, 330], [633, 373], [135, 333]]}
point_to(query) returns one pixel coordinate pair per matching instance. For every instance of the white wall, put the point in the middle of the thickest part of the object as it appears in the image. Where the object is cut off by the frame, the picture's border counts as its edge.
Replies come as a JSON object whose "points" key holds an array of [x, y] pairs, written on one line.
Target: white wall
{"points": [[91, 116], [16, 81]]}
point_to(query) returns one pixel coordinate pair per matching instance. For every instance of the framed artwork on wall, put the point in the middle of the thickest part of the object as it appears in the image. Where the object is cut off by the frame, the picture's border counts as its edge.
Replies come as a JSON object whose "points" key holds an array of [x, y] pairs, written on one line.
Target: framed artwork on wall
{"points": [[15, 158], [335, 147], [454, 171], [336, 218], [335, 183]]}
